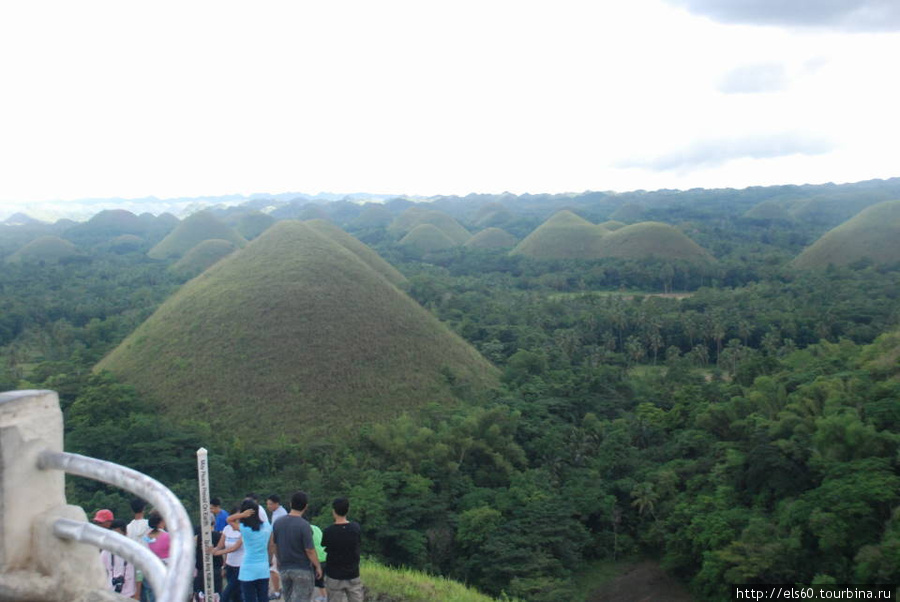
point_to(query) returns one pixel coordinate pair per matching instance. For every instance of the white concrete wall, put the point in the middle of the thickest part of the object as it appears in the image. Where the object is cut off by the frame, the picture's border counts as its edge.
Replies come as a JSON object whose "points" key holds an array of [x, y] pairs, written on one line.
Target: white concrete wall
{"points": [[34, 564]]}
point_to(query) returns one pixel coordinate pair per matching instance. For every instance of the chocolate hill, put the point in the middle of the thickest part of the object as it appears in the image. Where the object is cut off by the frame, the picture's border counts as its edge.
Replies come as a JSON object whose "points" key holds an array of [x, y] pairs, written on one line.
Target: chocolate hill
{"points": [[873, 233], [652, 239], [564, 235], [295, 336], [192, 231]]}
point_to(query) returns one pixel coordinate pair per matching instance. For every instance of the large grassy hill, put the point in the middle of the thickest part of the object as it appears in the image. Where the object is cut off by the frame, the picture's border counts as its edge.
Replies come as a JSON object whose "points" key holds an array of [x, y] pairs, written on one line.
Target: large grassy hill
{"points": [[295, 336], [191, 232], [873, 233], [564, 235], [355, 246], [652, 239]]}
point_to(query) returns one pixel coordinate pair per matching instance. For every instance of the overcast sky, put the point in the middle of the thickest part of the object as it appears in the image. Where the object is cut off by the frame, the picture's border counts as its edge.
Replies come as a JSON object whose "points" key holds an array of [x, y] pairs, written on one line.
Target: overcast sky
{"points": [[128, 99]]}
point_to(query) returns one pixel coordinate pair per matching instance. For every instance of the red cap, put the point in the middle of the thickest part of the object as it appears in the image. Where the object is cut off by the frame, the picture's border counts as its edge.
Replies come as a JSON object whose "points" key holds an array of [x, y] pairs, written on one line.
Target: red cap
{"points": [[103, 515]]}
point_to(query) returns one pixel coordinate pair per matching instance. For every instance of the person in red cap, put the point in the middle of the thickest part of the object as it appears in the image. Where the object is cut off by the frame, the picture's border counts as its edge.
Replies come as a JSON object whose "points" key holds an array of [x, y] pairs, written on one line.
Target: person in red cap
{"points": [[103, 518]]}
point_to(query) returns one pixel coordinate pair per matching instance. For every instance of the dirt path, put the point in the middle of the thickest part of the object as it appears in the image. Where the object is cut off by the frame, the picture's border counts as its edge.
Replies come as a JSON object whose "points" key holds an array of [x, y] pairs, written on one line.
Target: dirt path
{"points": [[641, 582]]}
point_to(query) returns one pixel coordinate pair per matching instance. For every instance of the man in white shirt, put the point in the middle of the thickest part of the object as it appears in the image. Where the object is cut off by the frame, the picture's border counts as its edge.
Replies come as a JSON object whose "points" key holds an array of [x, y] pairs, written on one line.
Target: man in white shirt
{"points": [[136, 531], [273, 503]]}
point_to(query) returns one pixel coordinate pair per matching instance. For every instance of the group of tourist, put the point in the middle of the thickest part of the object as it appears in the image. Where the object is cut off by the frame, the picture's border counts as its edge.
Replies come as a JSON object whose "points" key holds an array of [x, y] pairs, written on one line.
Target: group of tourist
{"points": [[253, 550], [123, 577]]}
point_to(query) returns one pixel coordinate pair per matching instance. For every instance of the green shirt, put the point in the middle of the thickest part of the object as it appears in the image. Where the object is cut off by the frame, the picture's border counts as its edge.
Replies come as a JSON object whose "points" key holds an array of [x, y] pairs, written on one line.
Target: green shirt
{"points": [[317, 542]]}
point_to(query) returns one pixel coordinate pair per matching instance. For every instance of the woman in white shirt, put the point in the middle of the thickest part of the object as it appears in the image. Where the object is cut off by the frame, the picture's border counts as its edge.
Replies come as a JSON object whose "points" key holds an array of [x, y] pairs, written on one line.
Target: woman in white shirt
{"points": [[230, 546]]}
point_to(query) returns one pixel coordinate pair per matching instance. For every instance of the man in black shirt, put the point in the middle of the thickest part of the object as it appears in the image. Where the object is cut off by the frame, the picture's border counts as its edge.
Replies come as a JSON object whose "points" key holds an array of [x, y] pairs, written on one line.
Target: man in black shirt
{"points": [[341, 542]]}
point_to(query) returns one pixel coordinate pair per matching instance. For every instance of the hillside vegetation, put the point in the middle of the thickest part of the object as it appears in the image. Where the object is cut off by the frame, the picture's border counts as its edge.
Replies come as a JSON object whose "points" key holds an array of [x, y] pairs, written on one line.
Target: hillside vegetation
{"points": [[352, 244], [492, 238], [426, 238], [874, 234], [417, 216], [46, 248], [191, 232], [563, 236], [252, 224], [406, 585], [652, 239], [202, 256], [299, 326]]}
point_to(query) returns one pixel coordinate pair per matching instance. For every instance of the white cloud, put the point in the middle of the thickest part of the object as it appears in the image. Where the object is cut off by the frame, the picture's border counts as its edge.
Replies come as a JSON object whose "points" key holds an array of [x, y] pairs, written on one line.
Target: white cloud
{"points": [[104, 98], [752, 79]]}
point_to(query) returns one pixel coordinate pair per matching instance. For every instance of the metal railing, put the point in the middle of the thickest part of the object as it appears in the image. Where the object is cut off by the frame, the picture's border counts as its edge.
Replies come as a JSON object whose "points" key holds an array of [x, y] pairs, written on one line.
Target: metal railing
{"points": [[172, 583]]}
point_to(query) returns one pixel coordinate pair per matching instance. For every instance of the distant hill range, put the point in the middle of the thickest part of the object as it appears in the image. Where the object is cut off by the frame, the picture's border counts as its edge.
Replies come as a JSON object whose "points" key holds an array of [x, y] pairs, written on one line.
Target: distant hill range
{"points": [[808, 211], [872, 234], [297, 336]]}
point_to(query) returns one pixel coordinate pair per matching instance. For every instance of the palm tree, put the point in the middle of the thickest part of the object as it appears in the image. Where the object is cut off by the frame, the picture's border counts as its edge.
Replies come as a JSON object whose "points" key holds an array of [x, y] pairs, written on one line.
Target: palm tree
{"points": [[644, 498]]}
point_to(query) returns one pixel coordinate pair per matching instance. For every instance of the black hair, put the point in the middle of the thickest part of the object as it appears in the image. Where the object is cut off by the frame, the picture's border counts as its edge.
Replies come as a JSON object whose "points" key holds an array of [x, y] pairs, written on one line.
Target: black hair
{"points": [[341, 506], [252, 496], [119, 525], [138, 505], [215, 502], [275, 498], [253, 521], [154, 519], [299, 500]]}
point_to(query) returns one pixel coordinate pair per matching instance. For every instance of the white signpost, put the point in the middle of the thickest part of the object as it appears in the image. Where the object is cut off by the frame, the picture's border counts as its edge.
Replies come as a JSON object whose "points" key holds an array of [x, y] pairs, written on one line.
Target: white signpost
{"points": [[205, 520]]}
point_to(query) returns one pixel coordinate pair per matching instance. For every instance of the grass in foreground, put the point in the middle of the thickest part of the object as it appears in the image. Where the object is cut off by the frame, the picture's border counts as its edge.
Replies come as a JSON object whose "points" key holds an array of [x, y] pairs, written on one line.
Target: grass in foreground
{"points": [[406, 585]]}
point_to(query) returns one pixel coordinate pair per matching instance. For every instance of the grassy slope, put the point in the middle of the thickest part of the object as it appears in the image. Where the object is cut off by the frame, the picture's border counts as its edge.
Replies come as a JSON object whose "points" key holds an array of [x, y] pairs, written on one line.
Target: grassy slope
{"points": [[253, 224], [353, 244], [407, 220], [202, 256], [446, 224], [563, 236], [417, 216], [191, 232], [426, 238], [874, 233], [648, 239], [45, 248], [405, 585], [492, 238], [612, 225], [294, 335]]}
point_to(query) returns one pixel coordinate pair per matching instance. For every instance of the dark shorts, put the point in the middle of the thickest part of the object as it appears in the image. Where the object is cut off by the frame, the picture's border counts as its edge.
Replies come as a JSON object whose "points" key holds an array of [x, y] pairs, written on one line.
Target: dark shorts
{"points": [[320, 583]]}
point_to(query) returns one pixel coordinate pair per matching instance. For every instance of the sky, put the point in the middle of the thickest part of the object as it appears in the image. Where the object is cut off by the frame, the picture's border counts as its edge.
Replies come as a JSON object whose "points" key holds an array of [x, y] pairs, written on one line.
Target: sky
{"points": [[188, 99]]}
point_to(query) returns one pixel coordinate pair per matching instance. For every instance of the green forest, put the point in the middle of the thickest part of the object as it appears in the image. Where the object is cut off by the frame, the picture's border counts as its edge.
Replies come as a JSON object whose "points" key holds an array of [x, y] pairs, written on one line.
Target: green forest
{"points": [[731, 413]]}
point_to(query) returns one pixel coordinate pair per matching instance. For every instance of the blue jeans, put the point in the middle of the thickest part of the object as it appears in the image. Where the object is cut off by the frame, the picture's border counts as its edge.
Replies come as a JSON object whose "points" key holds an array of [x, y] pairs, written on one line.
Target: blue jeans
{"points": [[255, 591], [232, 591]]}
